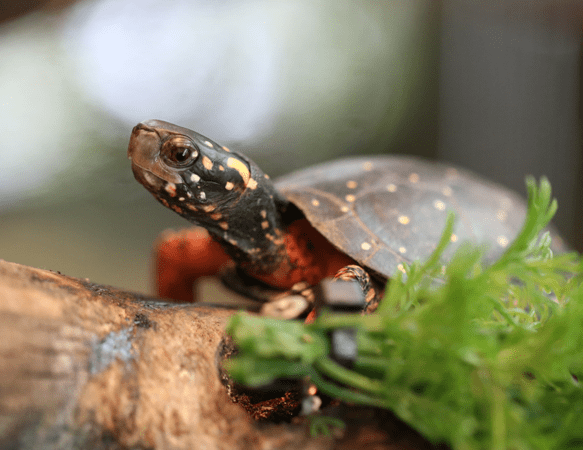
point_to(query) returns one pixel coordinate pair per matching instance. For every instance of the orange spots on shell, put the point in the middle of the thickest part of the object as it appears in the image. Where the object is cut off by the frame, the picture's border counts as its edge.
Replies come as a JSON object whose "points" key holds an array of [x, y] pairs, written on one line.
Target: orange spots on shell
{"points": [[221, 168], [351, 184], [350, 198], [207, 163], [414, 177], [216, 216], [367, 166], [265, 224], [263, 213], [344, 208], [266, 176], [209, 144], [224, 225], [315, 202], [365, 246], [404, 220], [229, 185], [226, 149], [191, 207], [164, 202], [392, 187], [176, 208], [439, 205], [240, 167]]}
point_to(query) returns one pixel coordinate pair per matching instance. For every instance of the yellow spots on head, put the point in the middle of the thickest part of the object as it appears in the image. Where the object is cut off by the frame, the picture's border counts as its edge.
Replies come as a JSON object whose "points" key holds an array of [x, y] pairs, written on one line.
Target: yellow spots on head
{"points": [[263, 213], [402, 250], [265, 224], [401, 267], [240, 167], [221, 168], [224, 225], [391, 187], [344, 208], [404, 220], [501, 215], [315, 202], [439, 205], [208, 144], [365, 246], [351, 184], [207, 163], [272, 238], [208, 208], [453, 238], [252, 184], [191, 207], [414, 177], [226, 149], [171, 189], [229, 185], [181, 199], [446, 191], [502, 241], [350, 198], [216, 216], [233, 242], [367, 166], [266, 176], [194, 178]]}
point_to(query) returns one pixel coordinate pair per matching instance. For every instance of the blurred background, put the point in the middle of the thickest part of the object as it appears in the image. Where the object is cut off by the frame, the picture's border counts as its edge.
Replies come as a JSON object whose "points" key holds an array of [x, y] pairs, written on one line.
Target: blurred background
{"points": [[492, 85]]}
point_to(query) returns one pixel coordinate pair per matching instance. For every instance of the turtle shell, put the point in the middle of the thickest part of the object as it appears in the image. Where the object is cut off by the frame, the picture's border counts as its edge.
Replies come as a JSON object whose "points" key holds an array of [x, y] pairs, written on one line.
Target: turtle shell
{"points": [[386, 210]]}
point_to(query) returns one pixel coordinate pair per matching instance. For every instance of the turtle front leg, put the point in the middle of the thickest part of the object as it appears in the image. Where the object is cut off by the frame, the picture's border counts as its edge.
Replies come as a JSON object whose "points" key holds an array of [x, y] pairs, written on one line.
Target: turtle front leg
{"points": [[357, 273], [181, 257]]}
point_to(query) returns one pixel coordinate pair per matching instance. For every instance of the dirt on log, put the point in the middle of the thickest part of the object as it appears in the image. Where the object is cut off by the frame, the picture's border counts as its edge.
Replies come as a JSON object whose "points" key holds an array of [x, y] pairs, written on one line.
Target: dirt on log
{"points": [[88, 366]]}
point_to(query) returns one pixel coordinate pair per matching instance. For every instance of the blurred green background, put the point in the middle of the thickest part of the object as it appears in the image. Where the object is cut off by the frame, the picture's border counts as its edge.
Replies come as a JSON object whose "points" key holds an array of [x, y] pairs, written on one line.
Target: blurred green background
{"points": [[492, 86]]}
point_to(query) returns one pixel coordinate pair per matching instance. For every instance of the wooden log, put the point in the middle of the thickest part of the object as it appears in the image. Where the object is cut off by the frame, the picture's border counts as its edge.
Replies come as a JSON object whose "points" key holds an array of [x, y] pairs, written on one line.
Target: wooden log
{"points": [[88, 366]]}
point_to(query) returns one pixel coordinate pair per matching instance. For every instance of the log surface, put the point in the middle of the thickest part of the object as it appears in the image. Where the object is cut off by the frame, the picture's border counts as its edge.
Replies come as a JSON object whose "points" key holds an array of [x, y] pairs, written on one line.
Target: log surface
{"points": [[88, 366]]}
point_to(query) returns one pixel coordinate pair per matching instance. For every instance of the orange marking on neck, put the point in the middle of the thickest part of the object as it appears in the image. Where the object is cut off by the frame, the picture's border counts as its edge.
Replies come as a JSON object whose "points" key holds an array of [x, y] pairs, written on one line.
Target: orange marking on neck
{"points": [[310, 258]]}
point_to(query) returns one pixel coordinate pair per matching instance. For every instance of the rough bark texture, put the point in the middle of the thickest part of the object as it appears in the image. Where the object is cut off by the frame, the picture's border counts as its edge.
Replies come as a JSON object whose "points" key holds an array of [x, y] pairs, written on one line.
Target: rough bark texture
{"points": [[88, 366]]}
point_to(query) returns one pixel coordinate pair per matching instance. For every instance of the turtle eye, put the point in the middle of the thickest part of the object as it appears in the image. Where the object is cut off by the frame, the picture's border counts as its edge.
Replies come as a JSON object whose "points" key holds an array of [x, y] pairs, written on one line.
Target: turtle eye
{"points": [[179, 151]]}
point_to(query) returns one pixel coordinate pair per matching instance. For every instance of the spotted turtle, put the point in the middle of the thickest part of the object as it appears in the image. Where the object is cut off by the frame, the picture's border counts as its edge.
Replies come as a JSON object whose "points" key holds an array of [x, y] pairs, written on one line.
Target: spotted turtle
{"points": [[348, 218]]}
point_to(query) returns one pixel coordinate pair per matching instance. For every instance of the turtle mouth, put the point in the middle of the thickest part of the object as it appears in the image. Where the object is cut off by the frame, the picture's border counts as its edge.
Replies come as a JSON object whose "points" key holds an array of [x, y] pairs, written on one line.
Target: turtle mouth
{"points": [[147, 178], [144, 153]]}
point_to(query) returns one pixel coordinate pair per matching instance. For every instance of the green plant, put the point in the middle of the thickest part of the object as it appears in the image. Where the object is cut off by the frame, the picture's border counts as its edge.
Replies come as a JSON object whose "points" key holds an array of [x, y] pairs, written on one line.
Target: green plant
{"points": [[488, 358]]}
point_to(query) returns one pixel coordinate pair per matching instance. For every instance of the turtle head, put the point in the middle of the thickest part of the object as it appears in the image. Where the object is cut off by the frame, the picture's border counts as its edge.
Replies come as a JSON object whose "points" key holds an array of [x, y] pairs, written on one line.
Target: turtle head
{"points": [[212, 187]]}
